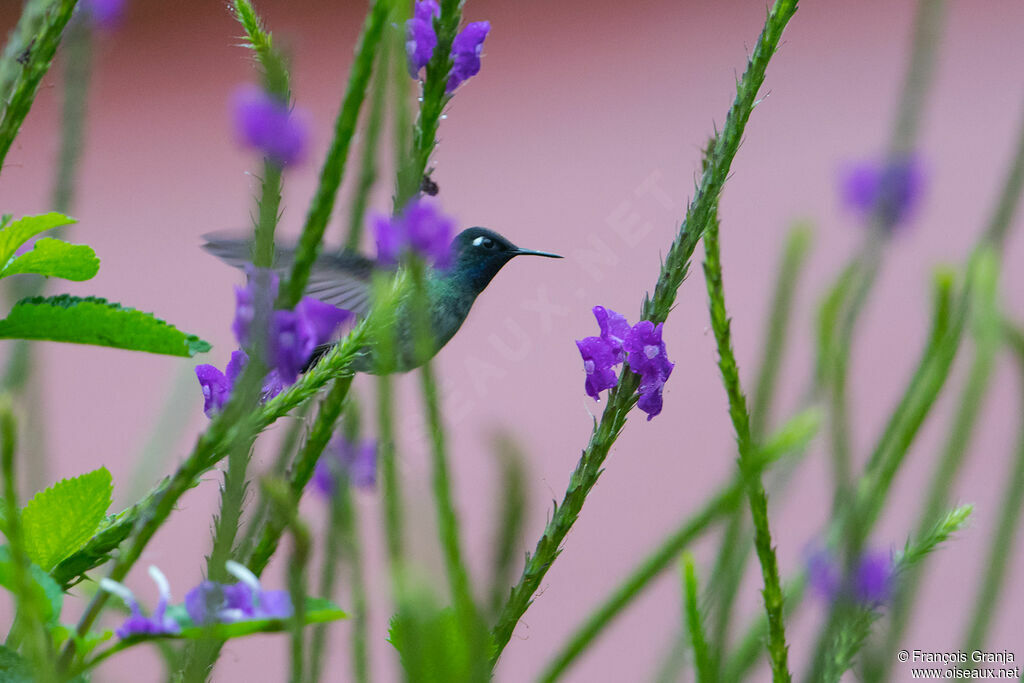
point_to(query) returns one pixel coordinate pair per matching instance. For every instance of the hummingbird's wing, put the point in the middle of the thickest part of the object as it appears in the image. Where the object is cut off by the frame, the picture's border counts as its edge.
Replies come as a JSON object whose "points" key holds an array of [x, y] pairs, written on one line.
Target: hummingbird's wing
{"points": [[342, 280]]}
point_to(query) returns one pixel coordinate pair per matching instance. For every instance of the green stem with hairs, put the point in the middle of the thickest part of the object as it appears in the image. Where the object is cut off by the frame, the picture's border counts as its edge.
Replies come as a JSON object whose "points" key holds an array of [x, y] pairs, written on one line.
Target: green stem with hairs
{"points": [[703, 661], [748, 455], [655, 308]]}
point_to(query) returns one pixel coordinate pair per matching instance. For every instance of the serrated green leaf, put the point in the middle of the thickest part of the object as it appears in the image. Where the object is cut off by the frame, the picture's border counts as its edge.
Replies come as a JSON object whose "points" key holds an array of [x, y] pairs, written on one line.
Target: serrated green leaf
{"points": [[318, 611], [48, 593], [22, 230], [59, 520], [13, 668], [95, 321], [56, 258]]}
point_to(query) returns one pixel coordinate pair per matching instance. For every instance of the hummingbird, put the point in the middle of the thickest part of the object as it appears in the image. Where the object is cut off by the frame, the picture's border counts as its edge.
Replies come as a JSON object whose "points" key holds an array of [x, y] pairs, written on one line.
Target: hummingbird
{"points": [[344, 280]]}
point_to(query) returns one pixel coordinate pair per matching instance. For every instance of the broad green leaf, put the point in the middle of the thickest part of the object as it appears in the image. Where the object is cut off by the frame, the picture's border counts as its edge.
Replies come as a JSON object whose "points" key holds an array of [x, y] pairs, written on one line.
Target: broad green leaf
{"points": [[431, 645], [13, 668], [67, 318], [318, 611], [59, 520], [15, 234], [47, 592], [56, 258]]}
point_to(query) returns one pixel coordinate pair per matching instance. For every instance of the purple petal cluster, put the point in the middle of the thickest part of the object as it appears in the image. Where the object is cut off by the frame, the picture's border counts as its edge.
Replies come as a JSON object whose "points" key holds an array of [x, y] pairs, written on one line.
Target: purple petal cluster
{"points": [[640, 346], [345, 460], [893, 189], [138, 624], [226, 603], [420, 227], [103, 14], [421, 40], [870, 582], [420, 36], [265, 123], [290, 340]]}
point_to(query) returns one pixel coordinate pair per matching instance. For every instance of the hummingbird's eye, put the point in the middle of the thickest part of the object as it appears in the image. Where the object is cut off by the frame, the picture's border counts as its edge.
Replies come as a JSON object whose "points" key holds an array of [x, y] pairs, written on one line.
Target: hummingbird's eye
{"points": [[484, 242]]}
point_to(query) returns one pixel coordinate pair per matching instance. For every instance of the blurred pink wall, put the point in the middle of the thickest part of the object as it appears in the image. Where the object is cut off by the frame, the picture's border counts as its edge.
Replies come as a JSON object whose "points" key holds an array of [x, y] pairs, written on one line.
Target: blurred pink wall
{"points": [[579, 107]]}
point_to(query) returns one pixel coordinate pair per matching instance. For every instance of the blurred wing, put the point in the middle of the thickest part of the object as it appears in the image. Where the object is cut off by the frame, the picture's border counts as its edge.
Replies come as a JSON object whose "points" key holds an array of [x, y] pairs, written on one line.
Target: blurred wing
{"points": [[342, 280]]}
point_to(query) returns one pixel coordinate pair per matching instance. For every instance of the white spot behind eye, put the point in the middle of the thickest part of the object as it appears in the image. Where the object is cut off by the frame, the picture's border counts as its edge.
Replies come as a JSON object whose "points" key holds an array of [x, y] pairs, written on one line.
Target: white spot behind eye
{"points": [[478, 241]]}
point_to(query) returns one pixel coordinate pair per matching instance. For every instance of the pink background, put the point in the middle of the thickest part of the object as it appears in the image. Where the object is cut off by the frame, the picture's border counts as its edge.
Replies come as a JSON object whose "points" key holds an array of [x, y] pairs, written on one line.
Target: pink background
{"points": [[578, 105]]}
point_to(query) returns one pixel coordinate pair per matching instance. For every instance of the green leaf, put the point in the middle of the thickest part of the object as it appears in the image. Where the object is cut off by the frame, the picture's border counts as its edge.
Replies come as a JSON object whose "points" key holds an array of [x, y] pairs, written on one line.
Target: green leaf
{"points": [[56, 258], [794, 435], [431, 645], [67, 318], [318, 611], [13, 668], [59, 520], [47, 592], [15, 234]]}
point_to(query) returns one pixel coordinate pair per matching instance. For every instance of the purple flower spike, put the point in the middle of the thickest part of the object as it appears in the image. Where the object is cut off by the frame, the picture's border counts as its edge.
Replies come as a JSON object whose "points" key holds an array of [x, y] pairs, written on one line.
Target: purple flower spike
{"points": [[599, 361], [420, 227], [872, 582], [262, 604], [138, 624], [104, 14], [648, 358], [265, 123], [291, 344], [217, 385], [894, 189], [344, 459], [466, 50], [420, 37]]}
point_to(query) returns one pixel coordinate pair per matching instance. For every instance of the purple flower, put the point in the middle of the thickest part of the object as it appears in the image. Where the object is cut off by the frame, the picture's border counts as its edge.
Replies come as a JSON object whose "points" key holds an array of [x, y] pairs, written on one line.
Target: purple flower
{"points": [[599, 363], [421, 41], [137, 624], [225, 603], [466, 50], [104, 14], [420, 37], [872, 582], [420, 227], [822, 574], [217, 385], [264, 122], [323, 318], [648, 358], [893, 189], [355, 462]]}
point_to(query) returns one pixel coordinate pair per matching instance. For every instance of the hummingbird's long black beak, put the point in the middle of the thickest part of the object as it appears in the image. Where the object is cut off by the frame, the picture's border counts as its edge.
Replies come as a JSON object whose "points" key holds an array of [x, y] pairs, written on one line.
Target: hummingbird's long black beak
{"points": [[531, 252]]}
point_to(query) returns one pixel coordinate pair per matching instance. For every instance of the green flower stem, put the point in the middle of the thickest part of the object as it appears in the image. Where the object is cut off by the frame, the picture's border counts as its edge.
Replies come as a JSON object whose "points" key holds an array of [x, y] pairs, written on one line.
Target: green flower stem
{"points": [[1004, 538], [703, 661], [731, 559], [368, 155], [621, 399], [748, 455], [30, 60], [640, 578], [302, 469], [391, 483], [334, 165], [28, 624], [746, 654], [434, 100]]}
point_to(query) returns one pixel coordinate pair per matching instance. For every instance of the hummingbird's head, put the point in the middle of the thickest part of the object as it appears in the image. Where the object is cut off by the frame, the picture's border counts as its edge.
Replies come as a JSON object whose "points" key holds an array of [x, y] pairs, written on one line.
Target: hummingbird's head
{"points": [[479, 253]]}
